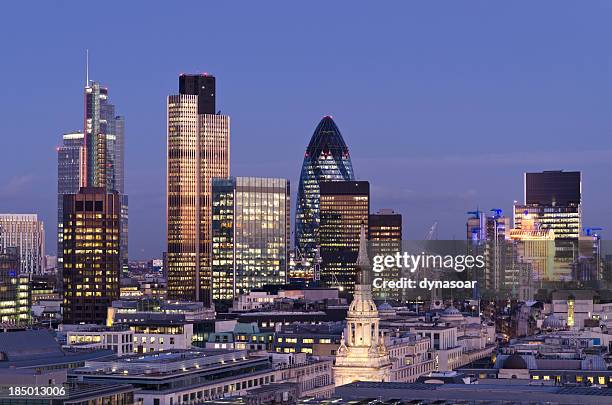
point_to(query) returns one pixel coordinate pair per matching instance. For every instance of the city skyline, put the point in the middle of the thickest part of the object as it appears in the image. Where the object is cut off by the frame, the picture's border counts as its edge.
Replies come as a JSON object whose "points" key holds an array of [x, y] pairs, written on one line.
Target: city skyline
{"points": [[448, 114]]}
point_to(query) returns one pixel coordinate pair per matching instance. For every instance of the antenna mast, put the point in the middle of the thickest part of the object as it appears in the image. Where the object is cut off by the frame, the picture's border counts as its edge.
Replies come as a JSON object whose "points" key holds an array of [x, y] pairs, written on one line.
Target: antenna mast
{"points": [[86, 67]]}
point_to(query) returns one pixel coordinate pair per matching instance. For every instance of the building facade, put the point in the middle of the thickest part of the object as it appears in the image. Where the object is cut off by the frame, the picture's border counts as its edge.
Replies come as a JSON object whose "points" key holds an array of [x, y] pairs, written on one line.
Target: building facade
{"points": [[70, 177], [197, 151], [250, 234], [92, 240], [327, 158], [87, 337], [14, 293], [344, 209], [553, 199], [385, 232], [26, 233]]}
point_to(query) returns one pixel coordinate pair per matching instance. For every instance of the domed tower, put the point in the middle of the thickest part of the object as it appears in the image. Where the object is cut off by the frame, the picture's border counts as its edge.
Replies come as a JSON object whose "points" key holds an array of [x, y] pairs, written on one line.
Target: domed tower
{"points": [[362, 355], [327, 158]]}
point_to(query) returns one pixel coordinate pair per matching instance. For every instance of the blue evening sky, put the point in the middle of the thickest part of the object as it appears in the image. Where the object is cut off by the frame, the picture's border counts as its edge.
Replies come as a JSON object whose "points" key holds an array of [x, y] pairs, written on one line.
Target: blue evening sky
{"points": [[443, 104]]}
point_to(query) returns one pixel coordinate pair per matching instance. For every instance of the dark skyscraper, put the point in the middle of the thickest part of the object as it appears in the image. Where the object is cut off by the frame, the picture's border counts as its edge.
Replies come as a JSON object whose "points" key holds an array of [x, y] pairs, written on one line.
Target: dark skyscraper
{"points": [[344, 209], [91, 267], [327, 158], [553, 201], [386, 239], [553, 188], [202, 86]]}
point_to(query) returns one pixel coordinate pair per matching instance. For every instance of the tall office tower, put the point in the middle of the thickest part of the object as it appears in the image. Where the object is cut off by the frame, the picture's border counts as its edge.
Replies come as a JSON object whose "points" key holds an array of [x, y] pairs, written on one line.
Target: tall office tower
{"points": [[70, 177], [119, 125], [553, 199], [119, 173], [104, 141], [487, 235], [100, 138], [26, 233], [589, 264], [92, 240], [535, 253], [14, 291], [250, 234], [344, 208], [198, 150], [327, 158], [499, 253], [386, 239]]}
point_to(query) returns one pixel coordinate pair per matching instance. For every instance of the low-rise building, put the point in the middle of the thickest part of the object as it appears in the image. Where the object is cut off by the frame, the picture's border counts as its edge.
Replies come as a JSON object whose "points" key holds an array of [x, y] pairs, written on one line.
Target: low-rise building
{"points": [[119, 339], [320, 340], [194, 376], [244, 336]]}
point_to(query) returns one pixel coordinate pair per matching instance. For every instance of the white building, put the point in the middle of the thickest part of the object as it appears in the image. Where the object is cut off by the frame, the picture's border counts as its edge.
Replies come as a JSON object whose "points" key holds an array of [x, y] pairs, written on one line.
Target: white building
{"points": [[119, 340], [411, 356], [362, 354], [26, 233], [197, 376]]}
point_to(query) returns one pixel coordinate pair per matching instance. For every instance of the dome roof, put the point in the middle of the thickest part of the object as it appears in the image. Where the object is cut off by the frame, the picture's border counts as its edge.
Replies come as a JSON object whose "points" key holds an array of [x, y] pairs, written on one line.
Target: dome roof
{"points": [[327, 138], [552, 322], [451, 311], [385, 306], [515, 361]]}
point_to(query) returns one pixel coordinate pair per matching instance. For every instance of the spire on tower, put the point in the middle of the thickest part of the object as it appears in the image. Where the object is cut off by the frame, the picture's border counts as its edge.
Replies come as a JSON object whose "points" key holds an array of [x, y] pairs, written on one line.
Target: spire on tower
{"points": [[86, 67], [362, 259]]}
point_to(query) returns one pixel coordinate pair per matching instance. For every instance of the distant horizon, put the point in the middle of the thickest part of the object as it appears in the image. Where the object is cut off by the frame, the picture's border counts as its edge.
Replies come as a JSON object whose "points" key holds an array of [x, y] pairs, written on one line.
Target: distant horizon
{"points": [[443, 110]]}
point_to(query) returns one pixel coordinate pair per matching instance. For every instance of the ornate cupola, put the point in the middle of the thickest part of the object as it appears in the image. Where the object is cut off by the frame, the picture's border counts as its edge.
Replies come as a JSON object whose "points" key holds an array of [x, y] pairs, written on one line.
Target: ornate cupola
{"points": [[362, 355]]}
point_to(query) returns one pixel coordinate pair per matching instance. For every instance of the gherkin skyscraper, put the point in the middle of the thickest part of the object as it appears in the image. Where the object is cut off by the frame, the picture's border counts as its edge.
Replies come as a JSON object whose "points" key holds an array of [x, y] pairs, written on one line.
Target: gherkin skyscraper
{"points": [[327, 158]]}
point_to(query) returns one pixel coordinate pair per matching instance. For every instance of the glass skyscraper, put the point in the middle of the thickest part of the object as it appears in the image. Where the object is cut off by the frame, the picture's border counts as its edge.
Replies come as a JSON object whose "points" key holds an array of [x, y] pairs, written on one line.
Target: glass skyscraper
{"points": [[104, 142], [94, 158], [70, 176], [327, 158], [250, 234]]}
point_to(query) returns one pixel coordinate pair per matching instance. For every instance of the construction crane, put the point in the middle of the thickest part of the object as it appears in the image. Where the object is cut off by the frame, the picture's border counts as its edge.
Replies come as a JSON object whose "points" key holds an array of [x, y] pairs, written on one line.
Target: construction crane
{"points": [[589, 231], [497, 211], [432, 231]]}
